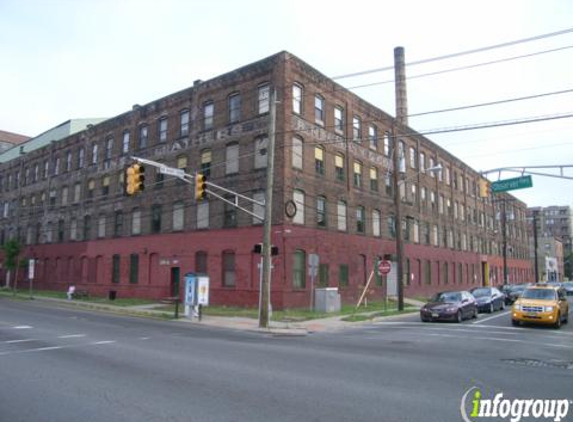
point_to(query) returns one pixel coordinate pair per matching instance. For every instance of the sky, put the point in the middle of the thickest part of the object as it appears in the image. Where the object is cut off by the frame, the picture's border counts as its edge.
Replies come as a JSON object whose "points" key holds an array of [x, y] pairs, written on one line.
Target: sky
{"points": [[64, 59]]}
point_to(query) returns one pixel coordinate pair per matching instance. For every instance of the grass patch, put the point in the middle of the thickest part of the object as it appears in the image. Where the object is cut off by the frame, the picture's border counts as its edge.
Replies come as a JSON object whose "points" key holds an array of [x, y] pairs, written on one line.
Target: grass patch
{"points": [[370, 316]]}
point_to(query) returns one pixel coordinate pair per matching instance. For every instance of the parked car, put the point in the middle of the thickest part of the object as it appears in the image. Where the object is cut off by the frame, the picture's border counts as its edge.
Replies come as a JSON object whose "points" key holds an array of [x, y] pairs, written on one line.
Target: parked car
{"points": [[449, 306], [489, 299], [512, 292], [541, 304], [568, 286]]}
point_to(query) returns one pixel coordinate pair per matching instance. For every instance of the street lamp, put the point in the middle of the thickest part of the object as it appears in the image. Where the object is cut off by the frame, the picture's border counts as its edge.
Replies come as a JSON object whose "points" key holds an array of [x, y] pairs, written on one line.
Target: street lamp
{"points": [[398, 221]]}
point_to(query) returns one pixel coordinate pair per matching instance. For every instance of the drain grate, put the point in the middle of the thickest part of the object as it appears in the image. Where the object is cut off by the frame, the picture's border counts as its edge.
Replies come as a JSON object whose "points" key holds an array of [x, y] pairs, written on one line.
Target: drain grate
{"points": [[560, 364]]}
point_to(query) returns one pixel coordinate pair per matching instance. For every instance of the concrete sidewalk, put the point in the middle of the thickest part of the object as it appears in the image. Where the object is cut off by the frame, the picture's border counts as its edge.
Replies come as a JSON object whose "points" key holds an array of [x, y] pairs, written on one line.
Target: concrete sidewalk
{"points": [[276, 328]]}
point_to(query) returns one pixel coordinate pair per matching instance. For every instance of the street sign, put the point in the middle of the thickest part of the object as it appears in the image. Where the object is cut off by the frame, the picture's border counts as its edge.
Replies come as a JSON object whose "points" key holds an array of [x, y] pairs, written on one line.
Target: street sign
{"points": [[171, 171], [384, 267], [512, 184]]}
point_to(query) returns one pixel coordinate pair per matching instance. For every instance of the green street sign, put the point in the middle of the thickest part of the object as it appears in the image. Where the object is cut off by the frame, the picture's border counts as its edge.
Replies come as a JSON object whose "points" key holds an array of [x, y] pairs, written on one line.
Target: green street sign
{"points": [[512, 184]]}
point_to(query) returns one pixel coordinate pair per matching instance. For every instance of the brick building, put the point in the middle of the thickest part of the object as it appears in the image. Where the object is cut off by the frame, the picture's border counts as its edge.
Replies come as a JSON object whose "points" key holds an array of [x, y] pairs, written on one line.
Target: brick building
{"points": [[332, 197]]}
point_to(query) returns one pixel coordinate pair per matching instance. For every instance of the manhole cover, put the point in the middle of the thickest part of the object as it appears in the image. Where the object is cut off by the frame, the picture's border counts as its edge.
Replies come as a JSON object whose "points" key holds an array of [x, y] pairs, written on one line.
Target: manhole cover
{"points": [[561, 364]]}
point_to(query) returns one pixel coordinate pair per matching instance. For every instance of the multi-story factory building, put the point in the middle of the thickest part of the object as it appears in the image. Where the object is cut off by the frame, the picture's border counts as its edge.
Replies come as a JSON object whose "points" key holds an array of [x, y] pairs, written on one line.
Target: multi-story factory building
{"points": [[333, 196]]}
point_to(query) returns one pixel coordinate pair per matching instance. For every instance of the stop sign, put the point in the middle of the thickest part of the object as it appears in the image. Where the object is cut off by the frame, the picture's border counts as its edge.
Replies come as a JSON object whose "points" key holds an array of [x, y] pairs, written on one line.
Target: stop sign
{"points": [[384, 267]]}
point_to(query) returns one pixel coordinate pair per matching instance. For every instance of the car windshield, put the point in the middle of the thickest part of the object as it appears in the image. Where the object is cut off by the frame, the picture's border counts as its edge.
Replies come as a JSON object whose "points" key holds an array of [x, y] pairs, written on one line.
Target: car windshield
{"points": [[481, 292], [447, 297], [568, 284], [543, 294]]}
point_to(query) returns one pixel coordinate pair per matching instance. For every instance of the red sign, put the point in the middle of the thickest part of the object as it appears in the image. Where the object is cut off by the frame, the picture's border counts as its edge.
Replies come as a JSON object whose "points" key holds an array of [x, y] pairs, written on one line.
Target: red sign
{"points": [[384, 267]]}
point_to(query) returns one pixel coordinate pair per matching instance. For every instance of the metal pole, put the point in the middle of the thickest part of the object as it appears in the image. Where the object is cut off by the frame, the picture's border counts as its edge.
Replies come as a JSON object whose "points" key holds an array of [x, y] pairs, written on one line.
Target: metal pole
{"points": [[398, 221], [535, 246], [265, 290], [504, 230]]}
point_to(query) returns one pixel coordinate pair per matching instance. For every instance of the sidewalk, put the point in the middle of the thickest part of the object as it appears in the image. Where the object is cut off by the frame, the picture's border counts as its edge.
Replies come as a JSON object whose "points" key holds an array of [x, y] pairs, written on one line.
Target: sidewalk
{"points": [[276, 328]]}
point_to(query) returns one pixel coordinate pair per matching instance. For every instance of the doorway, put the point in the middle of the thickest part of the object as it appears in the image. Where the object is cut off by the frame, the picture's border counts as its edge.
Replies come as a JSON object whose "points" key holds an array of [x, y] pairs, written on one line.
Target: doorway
{"points": [[175, 281]]}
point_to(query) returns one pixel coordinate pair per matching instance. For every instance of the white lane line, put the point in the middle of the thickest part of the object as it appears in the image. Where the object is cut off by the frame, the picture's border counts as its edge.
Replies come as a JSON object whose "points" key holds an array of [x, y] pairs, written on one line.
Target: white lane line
{"points": [[22, 327], [25, 340], [96, 343], [144, 338], [496, 339], [49, 348], [479, 321], [72, 336]]}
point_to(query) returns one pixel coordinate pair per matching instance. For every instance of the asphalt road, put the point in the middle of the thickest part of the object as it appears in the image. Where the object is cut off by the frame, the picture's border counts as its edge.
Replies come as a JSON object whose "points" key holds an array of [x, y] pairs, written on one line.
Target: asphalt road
{"points": [[62, 365]]}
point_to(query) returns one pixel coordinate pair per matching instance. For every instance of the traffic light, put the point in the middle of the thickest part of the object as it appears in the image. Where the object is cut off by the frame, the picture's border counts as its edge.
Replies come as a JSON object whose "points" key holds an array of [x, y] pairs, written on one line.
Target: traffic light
{"points": [[483, 188], [200, 186], [134, 179]]}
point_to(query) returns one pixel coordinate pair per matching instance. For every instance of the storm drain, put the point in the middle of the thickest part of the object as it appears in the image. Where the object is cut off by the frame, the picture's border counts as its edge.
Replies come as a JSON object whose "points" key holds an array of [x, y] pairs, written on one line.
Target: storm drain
{"points": [[559, 364]]}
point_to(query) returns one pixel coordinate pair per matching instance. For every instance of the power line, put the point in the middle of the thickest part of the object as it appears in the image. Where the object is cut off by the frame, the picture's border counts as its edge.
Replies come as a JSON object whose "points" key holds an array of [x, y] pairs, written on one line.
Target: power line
{"points": [[462, 53]]}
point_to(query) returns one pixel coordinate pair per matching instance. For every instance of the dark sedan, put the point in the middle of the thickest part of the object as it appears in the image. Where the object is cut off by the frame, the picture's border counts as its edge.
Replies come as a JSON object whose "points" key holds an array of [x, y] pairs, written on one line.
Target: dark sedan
{"points": [[449, 306], [568, 286], [512, 292], [489, 299]]}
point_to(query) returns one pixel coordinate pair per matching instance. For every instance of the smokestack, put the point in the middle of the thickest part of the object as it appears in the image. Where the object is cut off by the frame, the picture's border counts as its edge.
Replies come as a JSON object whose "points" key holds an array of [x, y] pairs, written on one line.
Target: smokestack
{"points": [[400, 86]]}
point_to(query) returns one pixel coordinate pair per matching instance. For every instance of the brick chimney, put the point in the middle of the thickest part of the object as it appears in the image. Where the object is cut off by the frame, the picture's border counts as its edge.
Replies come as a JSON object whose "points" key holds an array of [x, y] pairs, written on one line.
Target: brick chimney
{"points": [[400, 86]]}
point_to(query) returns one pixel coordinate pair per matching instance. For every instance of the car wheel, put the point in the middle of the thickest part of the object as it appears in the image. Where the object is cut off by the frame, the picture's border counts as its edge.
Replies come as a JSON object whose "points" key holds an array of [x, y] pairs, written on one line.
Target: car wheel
{"points": [[459, 317], [558, 321], [566, 319], [424, 319], [515, 323]]}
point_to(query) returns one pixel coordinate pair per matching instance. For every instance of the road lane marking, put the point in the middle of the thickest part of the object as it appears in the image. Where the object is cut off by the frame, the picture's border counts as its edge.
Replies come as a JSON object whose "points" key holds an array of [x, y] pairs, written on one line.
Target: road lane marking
{"points": [[24, 340], [479, 321], [49, 348], [72, 336], [96, 343], [495, 339], [22, 327]]}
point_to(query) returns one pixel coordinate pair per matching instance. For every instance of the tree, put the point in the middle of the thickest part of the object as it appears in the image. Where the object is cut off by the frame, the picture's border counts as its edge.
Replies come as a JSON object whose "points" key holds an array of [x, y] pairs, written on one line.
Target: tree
{"points": [[12, 249]]}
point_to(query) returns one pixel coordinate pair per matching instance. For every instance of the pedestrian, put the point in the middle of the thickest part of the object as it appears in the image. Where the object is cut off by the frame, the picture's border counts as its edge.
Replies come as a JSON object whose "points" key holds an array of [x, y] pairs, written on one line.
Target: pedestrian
{"points": [[71, 291]]}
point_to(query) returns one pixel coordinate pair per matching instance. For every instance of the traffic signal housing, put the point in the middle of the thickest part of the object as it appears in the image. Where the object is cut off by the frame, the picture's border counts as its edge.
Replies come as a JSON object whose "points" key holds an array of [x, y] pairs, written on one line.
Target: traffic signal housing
{"points": [[483, 188], [200, 186], [134, 179]]}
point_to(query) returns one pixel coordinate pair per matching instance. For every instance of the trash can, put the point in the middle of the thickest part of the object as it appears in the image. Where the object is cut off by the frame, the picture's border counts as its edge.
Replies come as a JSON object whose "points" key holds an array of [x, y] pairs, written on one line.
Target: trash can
{"points": [[112, 295], [327, 299]]}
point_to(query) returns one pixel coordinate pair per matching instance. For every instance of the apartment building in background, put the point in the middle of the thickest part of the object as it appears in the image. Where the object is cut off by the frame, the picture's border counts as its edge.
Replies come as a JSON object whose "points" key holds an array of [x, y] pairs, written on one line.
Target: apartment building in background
{"points": [[333, 196]]}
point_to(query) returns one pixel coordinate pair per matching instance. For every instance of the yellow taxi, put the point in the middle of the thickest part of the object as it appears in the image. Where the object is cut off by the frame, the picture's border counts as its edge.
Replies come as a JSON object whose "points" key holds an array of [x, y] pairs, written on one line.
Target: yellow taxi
{"points": [[541, 304]]}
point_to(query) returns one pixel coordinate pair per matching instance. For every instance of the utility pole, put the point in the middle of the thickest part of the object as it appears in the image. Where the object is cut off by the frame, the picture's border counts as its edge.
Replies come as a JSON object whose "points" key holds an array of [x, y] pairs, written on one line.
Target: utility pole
{"points": [[398, 221], [535, 246], [266, 284], [504, 234]]}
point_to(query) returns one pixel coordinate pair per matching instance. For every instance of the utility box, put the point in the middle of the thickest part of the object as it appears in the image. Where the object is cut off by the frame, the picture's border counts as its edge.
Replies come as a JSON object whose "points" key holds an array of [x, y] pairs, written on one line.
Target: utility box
{"points": [[327, 299]]}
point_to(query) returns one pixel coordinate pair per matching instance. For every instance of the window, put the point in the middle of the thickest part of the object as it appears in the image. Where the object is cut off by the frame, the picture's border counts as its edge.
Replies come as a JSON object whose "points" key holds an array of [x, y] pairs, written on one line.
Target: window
{"points": [[53, 197], [445, 273], [101, 226], [388, 184], [133, 268], [184, 123], [87, 227], [91, 188], [391, 226], [108, 149], [321, 211], [299, 269], [426, 233], [60, 231], [203, 215], [412, 157], [156, 218], [105, 186], [448, 179], [136, 222], [230, 214], [319, 160], [261, 144], [376, 223], [356, 129], [162, 129], [258, 209], [341, 215], [298, 198], [81, 158], [297, 152], [343, 275], [234, 108], [402, 157], [56, 167], [65, 195], [232, 158], [206, 162], [118, 223], [338, 119], [229, 279], [427, 272], [339, 166], [323, 275], [297, 99], [422, 162], [73, 230], [432, 165], [69, 161], [360, 217], [115, 267], [373, 137], [264, 99], [374, 179], [319, 110], [201, 259], [77, 192], [357, 174], [407, 276], [125, 142], [208, 113], [416, 231], [178, 216], [182, 162], [387, 144], [143, 136]]}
